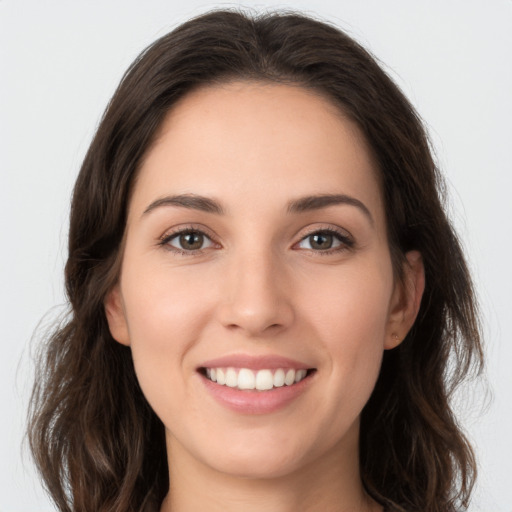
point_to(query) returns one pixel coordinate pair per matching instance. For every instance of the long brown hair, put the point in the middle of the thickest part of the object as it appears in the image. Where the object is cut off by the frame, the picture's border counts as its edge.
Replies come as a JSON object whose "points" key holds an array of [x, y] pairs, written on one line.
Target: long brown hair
{"points": [[97, 443]]}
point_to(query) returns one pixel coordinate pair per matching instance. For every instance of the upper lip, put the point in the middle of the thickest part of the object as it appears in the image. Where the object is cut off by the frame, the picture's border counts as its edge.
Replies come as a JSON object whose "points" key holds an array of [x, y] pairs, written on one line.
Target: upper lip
{"points": [[270, 362]]}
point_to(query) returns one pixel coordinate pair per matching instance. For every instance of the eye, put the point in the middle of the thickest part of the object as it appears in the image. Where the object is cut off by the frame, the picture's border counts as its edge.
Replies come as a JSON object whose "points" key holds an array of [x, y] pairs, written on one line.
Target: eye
{"points": [[325, 240], [188, 240]]}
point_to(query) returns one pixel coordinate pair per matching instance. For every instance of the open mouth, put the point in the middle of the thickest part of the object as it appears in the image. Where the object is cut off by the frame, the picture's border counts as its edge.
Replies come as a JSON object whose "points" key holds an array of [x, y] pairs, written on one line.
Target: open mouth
{"points": [[259, 380]]}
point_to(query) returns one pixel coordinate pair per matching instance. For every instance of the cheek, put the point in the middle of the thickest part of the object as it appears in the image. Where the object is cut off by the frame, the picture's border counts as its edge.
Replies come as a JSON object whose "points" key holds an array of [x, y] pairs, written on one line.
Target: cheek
{"points": [[164, 306], [350, 304], [350, 318], [165, 319]]}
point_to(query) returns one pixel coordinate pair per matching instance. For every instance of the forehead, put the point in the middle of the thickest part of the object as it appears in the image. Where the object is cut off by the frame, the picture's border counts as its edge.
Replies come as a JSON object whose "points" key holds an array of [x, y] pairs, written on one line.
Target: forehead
{"points": [[258, 142]]}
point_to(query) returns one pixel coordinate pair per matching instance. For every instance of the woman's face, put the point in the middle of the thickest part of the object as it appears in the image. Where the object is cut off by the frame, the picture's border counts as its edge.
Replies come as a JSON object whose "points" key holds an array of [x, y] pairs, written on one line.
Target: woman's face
{"points": [[256, 255]]}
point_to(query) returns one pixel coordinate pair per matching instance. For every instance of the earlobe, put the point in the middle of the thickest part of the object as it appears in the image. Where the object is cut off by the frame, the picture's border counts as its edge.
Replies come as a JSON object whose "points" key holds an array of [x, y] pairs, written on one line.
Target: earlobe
{"points": [[407, 300], [116, 317]]}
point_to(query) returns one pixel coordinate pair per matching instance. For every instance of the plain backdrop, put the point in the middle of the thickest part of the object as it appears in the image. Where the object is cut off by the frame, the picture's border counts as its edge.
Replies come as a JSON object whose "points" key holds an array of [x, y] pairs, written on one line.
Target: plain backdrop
{"points": [[60, 61]]}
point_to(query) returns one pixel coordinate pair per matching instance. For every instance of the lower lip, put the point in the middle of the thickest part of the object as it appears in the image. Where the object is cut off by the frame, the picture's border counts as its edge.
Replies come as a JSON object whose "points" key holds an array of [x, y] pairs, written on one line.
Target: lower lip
{"points": [[256, 402]]}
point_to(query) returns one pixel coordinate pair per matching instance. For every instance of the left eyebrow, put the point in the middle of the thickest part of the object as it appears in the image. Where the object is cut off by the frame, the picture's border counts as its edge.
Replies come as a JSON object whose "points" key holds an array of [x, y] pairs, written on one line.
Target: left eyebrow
{"points": [[317, 202]]}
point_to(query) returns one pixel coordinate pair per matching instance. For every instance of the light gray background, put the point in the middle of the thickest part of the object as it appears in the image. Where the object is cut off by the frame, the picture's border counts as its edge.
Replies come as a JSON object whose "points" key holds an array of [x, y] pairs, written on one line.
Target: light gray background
{"points": [[59, 64]]}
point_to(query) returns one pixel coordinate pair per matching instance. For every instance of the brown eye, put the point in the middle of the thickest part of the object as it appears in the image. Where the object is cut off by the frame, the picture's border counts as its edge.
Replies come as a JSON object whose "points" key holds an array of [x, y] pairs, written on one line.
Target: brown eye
{"points": [[189, 241], [321, 241], [325, 240]]}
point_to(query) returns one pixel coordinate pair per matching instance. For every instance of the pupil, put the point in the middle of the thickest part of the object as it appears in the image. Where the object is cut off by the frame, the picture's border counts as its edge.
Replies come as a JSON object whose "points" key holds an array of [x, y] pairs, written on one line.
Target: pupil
{"points": [[191, 240], [321, 241]]}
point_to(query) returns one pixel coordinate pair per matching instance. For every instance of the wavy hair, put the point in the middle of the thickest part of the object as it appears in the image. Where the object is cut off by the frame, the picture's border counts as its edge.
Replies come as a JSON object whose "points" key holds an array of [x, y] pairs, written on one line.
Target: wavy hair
{"points": [[97, 443]]}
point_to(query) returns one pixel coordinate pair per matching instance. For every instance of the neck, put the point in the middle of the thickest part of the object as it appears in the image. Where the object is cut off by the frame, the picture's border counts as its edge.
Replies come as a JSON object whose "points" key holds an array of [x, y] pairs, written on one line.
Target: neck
{"points": [[332, 484]]}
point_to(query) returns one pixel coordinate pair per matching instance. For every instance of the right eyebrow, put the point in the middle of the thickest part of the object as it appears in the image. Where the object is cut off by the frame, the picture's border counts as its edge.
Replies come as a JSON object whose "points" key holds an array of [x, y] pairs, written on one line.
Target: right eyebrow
{"points": [[191, 201]]}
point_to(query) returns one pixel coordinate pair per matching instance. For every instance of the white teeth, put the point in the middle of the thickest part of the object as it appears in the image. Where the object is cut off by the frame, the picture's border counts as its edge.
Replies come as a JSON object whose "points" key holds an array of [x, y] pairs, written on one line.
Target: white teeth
{"points": [[279, 378], [221, 376], [231, 378], [264, 380], [246, 379], [299, 375], [290, 377], [261, 380]]}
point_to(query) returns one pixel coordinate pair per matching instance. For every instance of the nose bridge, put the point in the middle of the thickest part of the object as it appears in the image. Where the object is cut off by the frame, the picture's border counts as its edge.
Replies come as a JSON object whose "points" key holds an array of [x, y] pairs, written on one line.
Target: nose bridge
{"points": [[256, 297]]}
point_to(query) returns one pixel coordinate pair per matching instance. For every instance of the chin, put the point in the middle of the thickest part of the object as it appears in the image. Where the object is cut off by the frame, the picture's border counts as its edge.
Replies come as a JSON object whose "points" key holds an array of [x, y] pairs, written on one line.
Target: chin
{"points": [[267, 458], [259, 468]]}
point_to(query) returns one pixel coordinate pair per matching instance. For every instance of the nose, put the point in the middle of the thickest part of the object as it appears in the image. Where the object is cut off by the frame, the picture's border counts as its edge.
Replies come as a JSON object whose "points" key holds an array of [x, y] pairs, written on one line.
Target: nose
{"points": [[256, 296]]}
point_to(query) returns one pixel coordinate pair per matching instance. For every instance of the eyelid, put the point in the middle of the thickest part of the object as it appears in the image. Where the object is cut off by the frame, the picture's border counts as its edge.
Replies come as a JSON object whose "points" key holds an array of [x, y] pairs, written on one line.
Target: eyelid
{"points": [[346, 239], [341, 234], [176, 231]]}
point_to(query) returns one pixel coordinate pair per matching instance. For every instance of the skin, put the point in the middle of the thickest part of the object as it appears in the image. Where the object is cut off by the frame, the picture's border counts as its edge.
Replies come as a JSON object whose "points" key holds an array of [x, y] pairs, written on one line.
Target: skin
{"points": [[259, 287]]}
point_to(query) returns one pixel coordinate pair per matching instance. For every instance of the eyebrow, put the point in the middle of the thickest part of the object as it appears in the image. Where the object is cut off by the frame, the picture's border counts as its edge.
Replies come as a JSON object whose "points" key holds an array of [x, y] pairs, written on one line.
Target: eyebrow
{"points": [[300, 205], [317, 202], [191, 201]]}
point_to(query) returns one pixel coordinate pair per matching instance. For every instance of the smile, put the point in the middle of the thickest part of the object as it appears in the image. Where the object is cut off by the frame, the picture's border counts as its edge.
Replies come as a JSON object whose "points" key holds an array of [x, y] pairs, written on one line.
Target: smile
{"points": [[254, 385], [260, 380]]}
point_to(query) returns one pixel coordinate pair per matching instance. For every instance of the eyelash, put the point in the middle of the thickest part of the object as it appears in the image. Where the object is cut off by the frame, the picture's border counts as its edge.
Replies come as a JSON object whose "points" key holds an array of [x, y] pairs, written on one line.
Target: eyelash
{"points": [[346, 242], [188, 230]]}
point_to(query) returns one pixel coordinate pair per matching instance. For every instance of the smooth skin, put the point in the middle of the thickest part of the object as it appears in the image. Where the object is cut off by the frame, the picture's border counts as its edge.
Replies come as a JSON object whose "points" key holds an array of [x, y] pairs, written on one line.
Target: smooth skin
{"points": [[254, 275]]}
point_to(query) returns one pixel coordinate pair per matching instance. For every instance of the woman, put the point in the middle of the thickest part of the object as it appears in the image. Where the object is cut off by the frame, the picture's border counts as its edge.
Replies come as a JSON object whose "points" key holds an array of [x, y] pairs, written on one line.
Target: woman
{"points": [[270, 309]]}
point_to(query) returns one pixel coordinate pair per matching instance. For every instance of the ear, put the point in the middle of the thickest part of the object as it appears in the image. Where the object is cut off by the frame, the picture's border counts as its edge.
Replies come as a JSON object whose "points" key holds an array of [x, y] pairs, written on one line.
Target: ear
{"points": [[116, 318], [406, 300]]}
